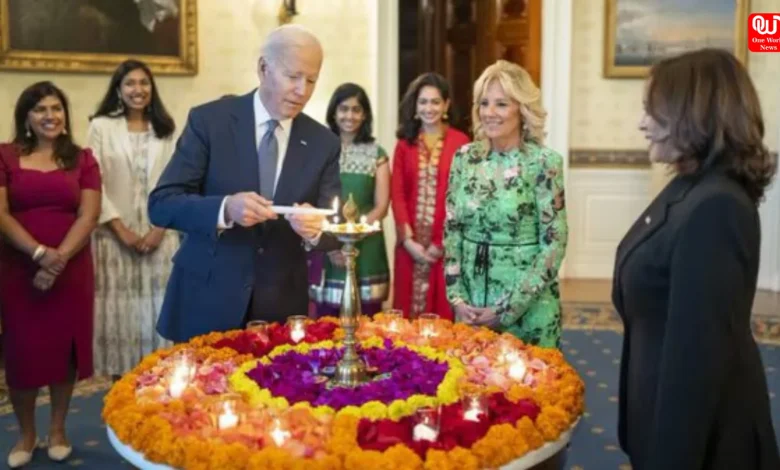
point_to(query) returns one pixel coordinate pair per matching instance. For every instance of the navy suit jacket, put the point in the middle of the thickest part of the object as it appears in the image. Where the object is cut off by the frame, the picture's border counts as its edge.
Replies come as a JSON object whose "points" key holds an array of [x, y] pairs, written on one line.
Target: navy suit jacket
{"points": [[216, 273]]}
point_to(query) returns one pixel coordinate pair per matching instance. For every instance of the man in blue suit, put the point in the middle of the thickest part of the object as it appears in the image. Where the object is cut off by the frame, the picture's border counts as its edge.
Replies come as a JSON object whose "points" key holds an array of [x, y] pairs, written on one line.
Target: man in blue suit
{"points": [[236, 156]]}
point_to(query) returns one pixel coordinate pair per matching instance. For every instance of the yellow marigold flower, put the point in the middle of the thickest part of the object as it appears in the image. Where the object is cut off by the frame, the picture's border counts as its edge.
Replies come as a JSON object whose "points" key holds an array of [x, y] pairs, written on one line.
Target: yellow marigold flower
{"points": [[529, 432], [398, 409], [350, 410], [495, 449], [462, 459], [373, 410]]}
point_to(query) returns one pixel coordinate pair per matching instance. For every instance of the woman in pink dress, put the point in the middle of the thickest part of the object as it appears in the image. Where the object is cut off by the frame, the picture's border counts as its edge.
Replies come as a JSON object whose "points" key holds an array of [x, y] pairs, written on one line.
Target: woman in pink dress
{"points": [[49, 205]]}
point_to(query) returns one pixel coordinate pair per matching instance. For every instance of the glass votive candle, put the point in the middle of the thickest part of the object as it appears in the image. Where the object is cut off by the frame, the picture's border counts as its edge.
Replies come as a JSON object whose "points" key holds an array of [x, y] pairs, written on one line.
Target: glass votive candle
{"points": [[395, 318], [225, 413], [278, 431], [427, 421], [427, 323], [475, 407], [297, 324], [259, 326]]}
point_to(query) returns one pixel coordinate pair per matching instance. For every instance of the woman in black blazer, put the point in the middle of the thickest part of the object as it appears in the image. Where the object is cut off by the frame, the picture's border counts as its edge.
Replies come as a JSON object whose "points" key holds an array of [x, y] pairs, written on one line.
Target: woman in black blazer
{"points": [[693, 394]]}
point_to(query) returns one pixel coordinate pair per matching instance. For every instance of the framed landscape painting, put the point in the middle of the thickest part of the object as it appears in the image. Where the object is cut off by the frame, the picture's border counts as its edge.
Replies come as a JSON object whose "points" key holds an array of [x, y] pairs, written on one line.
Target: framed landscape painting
{"points": [[97, 35], [638, 33]]}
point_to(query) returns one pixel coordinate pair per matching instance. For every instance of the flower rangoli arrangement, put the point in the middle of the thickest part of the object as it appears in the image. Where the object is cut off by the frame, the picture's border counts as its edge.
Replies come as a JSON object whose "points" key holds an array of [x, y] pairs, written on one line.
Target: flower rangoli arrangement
{"points": [[438, 396]]}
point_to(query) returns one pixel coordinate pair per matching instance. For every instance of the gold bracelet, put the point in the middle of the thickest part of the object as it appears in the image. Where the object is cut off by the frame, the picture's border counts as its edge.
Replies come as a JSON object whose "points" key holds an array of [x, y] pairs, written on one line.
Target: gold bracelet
{"points": [[40, 252]]}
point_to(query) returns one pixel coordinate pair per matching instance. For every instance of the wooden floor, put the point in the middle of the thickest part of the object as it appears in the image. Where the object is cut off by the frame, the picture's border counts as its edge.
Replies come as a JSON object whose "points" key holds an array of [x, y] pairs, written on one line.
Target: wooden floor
{"points": [[598, 291]]}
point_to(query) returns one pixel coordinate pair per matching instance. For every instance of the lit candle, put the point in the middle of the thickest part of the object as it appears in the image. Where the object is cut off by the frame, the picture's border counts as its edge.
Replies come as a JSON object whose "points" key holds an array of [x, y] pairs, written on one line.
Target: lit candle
{"points": [[517, 369], [350, 227], [428, 331], [279, 434], [180, 379], [228, 419], [473, 413], [393, 326], [424, 432], [297, 333], [363, 220], [177, 386], [375, 225]]}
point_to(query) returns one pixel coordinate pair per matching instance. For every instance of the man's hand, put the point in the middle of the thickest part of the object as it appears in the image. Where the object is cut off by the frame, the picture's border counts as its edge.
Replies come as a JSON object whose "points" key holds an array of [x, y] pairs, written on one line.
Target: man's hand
{"points": [[44, 279], [247, 209], [151, 241], [307, 226]]}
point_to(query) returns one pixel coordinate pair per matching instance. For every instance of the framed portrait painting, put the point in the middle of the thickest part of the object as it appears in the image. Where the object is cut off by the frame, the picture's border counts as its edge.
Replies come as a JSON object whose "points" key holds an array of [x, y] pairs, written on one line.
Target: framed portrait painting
{"points": [[97, 35], [639, 33]]}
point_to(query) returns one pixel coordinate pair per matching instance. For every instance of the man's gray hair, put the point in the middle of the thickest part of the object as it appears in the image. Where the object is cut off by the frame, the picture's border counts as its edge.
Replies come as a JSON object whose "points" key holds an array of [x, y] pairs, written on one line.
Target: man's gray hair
{"points": [[285, 37]]}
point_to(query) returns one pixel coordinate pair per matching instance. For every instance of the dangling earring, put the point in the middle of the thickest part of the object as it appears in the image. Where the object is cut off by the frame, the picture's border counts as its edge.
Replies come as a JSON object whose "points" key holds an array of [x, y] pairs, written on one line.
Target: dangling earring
{"points": [[417, 115], [64, 131], [446, 116], [121, 107], [27, 134]]}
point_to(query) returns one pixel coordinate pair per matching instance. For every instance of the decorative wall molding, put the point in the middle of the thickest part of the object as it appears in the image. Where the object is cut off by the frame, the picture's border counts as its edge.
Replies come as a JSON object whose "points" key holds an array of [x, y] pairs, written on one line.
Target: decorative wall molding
{"points": [[619, 158], [622, 158]]}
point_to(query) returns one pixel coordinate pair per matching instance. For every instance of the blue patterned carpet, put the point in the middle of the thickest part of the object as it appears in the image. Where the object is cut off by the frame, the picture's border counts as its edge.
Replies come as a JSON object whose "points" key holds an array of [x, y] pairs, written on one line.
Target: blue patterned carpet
{"points": [[592, 341]]}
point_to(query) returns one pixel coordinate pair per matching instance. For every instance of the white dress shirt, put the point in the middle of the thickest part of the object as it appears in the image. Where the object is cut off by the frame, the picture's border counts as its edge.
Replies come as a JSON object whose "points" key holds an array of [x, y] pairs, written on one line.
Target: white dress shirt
{"points": [[282, 134]]}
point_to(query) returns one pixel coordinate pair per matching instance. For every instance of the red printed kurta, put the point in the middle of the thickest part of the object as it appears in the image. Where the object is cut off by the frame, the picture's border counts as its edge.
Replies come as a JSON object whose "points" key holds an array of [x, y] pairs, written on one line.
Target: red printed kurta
{"points": [[410, 168]]}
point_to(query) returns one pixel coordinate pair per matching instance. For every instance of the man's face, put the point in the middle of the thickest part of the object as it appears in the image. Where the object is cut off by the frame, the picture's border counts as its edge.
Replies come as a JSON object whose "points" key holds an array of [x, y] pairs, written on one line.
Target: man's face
{"points": [[287, 83]]}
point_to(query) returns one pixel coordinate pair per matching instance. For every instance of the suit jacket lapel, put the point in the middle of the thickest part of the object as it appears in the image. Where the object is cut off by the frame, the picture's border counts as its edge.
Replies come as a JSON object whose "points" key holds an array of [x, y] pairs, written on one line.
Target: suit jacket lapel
{"points": [[123, 134], [652, 219], [243, 128], [292, 168]]}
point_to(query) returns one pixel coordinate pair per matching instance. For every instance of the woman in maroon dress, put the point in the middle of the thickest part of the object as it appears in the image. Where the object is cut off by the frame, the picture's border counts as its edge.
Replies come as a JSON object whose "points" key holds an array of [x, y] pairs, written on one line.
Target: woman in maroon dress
{"points": [[49, 205]]}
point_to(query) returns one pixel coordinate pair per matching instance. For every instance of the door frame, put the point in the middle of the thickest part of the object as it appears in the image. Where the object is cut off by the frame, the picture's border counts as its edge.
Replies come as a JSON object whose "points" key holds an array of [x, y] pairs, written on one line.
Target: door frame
{"points": [[555, 77]]}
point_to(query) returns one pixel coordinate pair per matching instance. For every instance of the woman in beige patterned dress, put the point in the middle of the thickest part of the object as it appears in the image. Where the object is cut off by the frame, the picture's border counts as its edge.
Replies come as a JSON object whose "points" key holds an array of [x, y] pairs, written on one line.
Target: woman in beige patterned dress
{"points": [[131, 135]]}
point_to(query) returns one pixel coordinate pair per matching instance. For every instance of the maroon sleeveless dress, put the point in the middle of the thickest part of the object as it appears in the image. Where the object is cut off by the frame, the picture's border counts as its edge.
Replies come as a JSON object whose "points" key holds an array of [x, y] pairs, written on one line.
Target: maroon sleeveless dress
{"points": [[42, 332]]}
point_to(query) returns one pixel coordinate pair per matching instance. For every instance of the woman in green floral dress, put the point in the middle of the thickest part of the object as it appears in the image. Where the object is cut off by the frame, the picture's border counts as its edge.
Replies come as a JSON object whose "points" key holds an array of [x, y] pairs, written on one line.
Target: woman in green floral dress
{"points": [[365, 174], [506, 230]]}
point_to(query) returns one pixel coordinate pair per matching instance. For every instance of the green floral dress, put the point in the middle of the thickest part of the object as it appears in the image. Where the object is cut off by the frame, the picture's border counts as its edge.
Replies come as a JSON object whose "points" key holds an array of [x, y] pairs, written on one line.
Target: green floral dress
{"points": [[505, 237]]}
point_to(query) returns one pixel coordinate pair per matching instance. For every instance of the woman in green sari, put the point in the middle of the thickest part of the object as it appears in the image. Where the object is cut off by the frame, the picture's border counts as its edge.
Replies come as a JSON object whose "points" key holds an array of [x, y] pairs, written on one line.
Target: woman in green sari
{"points": [[365, 174]]}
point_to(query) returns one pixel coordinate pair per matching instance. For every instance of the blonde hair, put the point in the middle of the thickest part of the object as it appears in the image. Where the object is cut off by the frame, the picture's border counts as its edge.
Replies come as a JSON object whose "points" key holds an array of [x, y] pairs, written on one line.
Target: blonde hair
{"points": [[518, 86]]}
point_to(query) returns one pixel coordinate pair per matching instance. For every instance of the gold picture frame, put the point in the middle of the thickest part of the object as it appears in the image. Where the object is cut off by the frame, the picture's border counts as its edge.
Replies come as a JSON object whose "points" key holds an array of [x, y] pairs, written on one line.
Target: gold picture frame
{"points": [[95, 36], [717, 26]]}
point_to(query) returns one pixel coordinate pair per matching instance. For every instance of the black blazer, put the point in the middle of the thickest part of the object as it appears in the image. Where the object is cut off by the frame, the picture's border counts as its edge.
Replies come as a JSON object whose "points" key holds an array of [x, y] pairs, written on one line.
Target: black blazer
{"points": [[215, 274], [693, 394]]}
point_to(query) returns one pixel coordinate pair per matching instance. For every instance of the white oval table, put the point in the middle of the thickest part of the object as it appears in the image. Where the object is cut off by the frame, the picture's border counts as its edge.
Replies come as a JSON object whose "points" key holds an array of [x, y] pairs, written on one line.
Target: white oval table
{"points": [[525, 462]]}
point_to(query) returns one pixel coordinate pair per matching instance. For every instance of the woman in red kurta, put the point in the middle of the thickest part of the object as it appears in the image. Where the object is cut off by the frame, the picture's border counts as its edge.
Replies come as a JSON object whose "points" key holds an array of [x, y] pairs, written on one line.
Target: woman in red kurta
{"points": [[421, 169], [49, 205]]}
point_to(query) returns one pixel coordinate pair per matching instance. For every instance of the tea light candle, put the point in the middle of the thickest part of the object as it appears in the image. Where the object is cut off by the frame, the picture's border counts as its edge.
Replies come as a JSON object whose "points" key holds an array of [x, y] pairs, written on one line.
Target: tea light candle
{"points": [[279, 434], [517, 369], [350, 227], [180, 379], [425, 432], [177, 386], [297, 333], [392, 327], [473, 414], [363, 220], [228, 418]]}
